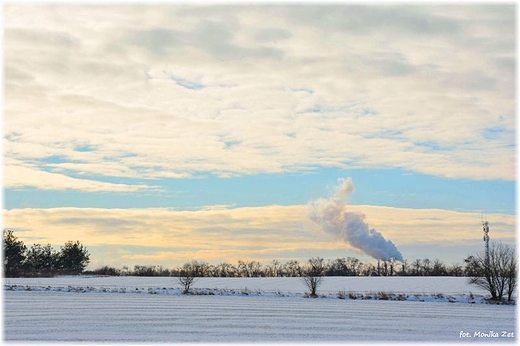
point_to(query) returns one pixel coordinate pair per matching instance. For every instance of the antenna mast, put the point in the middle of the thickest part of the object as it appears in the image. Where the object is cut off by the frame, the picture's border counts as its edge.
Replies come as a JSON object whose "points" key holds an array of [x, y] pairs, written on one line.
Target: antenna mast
{"points": [[485, 228]]}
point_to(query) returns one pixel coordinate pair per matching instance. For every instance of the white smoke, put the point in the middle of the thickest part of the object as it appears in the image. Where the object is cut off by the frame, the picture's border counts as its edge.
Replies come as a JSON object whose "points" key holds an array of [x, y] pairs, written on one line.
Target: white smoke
{"points": [[350, 226]]}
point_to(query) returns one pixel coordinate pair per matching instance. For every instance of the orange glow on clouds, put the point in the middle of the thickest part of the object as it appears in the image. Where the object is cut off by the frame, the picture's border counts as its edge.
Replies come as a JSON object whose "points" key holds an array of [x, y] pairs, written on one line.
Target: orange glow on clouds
{"points": [[229, 234]]}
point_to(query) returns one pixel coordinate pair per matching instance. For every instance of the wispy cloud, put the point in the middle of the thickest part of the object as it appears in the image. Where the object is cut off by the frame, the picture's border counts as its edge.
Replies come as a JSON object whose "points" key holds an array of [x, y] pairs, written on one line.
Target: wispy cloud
{"points": [[20, 176], [94, 77]]}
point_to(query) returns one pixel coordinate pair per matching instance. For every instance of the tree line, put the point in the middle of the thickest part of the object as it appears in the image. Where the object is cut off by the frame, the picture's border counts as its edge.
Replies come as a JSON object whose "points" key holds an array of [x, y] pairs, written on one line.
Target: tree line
{"points": [[345, 266], [494, 271], [40, 260]]}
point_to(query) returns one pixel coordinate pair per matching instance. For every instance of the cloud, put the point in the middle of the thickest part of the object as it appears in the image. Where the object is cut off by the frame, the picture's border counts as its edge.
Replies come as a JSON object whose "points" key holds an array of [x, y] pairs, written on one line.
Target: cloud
{"points": [[102, 77], [367, 20], [169, 236], [158, 41], [20, 176]]}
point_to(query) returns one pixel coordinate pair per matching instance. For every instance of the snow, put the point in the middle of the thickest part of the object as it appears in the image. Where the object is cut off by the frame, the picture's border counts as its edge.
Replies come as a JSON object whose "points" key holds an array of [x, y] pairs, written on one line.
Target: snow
{"points": [[269, 310], [410, 284]]}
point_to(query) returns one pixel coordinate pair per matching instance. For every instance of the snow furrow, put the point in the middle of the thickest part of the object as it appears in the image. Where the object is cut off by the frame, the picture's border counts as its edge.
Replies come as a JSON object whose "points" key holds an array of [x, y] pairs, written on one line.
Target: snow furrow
{"points": [[121, 309], [178, 318]]}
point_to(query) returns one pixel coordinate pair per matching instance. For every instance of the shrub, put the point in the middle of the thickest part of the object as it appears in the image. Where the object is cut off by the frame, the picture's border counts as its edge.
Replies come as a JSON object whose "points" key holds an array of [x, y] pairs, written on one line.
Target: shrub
{"points": [[383, 296]]}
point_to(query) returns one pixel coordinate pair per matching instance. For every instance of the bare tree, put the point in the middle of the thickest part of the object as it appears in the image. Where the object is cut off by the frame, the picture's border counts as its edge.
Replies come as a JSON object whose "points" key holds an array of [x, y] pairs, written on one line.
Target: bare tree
{"points": [[511, 274], [426, 267], [337, 267], [313, 274], [187, 275], [226, 269], [254, 269], [455, 270], [274, 269], [354, 266], [496, 274], [438, 268], [292, 269], [250, 269], [242, 269], [416, 267]]}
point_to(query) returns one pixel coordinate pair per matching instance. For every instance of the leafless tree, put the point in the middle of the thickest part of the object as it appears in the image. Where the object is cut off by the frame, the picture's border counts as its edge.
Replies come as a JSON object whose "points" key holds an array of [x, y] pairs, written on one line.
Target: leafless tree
{"points": [[187, 275], [292, 269], [498, 275], [313, 274], [511, 274], [416, 267], [249, 269], [274, 269], [226, 269], [438, 268], [243, 268]]}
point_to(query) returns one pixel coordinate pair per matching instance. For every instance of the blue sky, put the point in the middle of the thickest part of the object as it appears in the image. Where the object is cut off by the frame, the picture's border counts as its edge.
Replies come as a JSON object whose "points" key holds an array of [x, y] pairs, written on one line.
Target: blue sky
{"points": [[161, 133], [391, 187]]}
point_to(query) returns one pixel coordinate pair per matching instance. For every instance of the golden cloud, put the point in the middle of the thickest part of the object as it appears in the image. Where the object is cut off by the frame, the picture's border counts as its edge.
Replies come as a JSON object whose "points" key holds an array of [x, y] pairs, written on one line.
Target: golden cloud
{"points": [[228, 234]]}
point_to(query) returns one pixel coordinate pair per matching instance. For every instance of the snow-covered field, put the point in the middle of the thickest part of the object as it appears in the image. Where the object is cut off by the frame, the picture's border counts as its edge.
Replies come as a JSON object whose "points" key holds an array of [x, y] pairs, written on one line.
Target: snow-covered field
{"points": [[120, 309]]}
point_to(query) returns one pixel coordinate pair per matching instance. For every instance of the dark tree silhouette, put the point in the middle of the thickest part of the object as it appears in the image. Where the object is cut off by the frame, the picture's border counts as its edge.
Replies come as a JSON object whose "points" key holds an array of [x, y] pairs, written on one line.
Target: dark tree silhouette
{"points": [[74, 257], [14, 254], [41, 260]]}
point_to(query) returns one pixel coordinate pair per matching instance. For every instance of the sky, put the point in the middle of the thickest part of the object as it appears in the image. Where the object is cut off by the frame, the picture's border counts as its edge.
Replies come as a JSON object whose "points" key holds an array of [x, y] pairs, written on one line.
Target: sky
{"points": [[161, 133]]}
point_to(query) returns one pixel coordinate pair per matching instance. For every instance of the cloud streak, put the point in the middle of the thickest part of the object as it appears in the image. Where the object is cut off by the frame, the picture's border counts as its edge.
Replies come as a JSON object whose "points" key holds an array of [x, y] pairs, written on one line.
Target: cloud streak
{"points": [[169, 236], [21, 176]]}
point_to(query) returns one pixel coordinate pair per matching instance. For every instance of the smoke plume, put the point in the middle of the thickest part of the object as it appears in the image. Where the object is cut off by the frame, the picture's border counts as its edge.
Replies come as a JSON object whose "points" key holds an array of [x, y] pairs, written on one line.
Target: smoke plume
{"points": [[350, 226]]}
